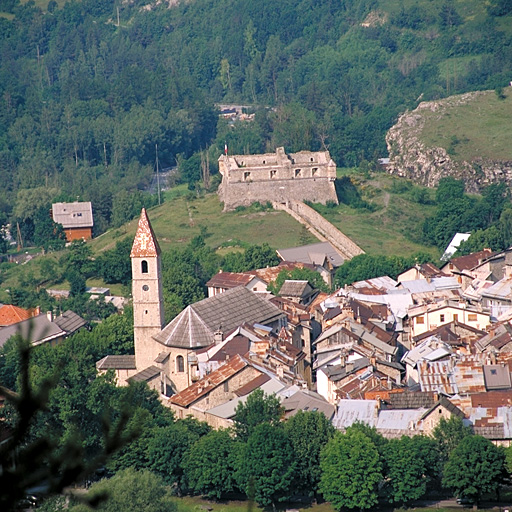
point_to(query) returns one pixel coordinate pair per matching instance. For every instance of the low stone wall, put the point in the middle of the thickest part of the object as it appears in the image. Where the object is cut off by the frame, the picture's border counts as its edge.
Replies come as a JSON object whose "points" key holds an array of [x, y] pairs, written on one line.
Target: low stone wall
{"points": [[321, 228]]}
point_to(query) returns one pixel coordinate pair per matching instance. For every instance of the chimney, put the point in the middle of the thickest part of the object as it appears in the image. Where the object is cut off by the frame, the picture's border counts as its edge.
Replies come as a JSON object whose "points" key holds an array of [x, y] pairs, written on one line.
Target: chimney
{"points": [[343, 357], [349, 367], [49, 315], [218, 335], [373, 360]]}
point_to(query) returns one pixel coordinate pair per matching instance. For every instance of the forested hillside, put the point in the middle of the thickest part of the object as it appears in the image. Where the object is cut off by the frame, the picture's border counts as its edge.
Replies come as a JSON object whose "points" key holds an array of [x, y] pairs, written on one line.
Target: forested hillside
{"points": [[88, 89]]}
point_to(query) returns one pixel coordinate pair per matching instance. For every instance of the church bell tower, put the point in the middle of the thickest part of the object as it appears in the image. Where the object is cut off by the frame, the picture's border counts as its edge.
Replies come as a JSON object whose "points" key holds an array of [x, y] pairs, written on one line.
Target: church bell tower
{"points": [[147, 294]]}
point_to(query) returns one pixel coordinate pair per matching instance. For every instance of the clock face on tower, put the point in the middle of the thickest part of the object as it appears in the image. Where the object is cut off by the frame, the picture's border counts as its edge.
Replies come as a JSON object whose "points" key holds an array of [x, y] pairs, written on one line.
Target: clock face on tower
{"points": [[145, 287]]}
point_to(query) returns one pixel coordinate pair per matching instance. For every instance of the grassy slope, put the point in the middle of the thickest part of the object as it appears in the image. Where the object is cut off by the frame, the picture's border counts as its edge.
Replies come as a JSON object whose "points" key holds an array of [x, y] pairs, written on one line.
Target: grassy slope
{"points": [[481, 128], [178, 220], [383, 231], [390, 229]]}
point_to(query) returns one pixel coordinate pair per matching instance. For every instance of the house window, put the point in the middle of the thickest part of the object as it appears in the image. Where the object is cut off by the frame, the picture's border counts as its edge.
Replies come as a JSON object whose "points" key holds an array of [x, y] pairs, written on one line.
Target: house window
{"points": [[226, 386], [441, 318], [144, 266], [247, 175], [420, 320], [472, 317], [455, 317], [273, 173], [297, 172], [314, 170], [180, 364]]}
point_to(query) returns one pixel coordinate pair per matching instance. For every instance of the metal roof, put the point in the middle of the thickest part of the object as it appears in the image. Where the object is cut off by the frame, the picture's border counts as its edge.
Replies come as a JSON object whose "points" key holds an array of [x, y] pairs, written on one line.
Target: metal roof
{"points": [[497, 376], [227, 409], [399, 419], [37, 330], [230, 279], [352, 411], [73, 215]]}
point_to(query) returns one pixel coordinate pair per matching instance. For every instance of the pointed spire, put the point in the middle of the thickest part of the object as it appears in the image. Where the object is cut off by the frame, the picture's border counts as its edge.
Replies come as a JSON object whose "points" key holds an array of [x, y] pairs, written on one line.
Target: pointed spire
{"points": [[145, 243]]}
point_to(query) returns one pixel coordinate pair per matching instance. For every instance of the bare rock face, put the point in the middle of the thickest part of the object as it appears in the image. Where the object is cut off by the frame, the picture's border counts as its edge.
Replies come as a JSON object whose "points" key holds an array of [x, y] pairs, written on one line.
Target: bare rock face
{"points": [[411, 158]]}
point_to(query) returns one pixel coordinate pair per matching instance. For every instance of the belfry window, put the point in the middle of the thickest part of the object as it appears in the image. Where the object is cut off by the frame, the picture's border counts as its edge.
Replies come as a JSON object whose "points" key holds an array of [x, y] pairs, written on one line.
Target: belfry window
{"points": [[144, 267]]}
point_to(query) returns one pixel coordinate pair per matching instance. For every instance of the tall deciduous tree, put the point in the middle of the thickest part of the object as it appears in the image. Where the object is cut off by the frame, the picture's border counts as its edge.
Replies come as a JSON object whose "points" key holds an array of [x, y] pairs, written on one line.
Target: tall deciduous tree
{"points": [[210, 465], [259, 408], [406, 470], [351, 471], [449, 433], [475, 467], [266, 465], [309, 432]]}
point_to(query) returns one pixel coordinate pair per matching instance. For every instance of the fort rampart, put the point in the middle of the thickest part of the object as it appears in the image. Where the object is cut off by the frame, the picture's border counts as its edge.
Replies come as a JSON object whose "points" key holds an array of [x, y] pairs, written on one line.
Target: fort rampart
{"points": [[277, 177]]}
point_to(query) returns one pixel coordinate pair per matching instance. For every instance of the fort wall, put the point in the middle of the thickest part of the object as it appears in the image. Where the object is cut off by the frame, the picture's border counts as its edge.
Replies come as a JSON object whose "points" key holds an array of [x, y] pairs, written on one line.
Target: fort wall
{"points": [[278, 177]]}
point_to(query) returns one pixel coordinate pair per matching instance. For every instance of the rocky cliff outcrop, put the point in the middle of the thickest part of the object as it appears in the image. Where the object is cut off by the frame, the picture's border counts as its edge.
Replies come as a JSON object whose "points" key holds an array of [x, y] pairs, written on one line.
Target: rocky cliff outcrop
{"points": [[412, 158]]}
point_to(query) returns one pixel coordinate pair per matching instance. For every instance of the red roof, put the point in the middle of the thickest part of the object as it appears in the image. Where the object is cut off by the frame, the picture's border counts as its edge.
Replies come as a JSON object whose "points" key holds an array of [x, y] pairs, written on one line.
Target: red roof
{"points": [[10, 314], [471, 260], [491, 399], [229, 280], [202, 387], [145, 243]]}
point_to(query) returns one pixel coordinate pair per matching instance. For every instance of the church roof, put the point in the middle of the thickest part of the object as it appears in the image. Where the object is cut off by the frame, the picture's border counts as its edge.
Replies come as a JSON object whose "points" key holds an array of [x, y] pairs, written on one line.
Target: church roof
{"points": [[195, 326], [145, 243]]}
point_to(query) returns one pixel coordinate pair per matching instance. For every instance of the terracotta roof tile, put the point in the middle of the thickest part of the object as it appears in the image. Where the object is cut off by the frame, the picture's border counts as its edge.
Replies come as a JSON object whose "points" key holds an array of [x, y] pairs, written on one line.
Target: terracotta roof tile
{"points": [[10, 314], [210, 382], [145, 243], [252, 385]]}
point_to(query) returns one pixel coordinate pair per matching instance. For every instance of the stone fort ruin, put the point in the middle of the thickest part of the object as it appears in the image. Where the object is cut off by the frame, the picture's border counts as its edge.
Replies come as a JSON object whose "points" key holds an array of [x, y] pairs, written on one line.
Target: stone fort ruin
{"points": [[277, 177]]}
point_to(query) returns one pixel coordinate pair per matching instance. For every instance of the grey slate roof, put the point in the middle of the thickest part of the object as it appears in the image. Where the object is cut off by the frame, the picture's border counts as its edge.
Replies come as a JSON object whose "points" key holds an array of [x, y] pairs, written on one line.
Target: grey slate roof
{"points": [[40, 329], [312, 253], [116, 362], [310, 401], [69, 321], [195, 326], [447, 405], [411, 400], [73, 215], [338, 372], [294, 288], [145, 375]]}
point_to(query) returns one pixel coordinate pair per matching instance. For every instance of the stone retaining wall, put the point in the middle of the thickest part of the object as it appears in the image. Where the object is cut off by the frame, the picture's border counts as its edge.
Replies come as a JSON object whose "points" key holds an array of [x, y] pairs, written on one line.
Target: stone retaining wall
{"points": [[320, 227]]}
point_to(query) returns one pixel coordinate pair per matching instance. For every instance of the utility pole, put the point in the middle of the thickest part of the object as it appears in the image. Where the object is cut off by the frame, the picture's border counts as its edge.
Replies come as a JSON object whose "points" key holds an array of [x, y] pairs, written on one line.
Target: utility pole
{"points": [[157, 175]]}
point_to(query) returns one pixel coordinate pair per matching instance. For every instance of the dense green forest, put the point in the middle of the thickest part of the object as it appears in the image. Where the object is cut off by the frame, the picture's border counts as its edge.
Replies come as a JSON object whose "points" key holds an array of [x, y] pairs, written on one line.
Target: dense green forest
{"points": [[88, 89]]}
